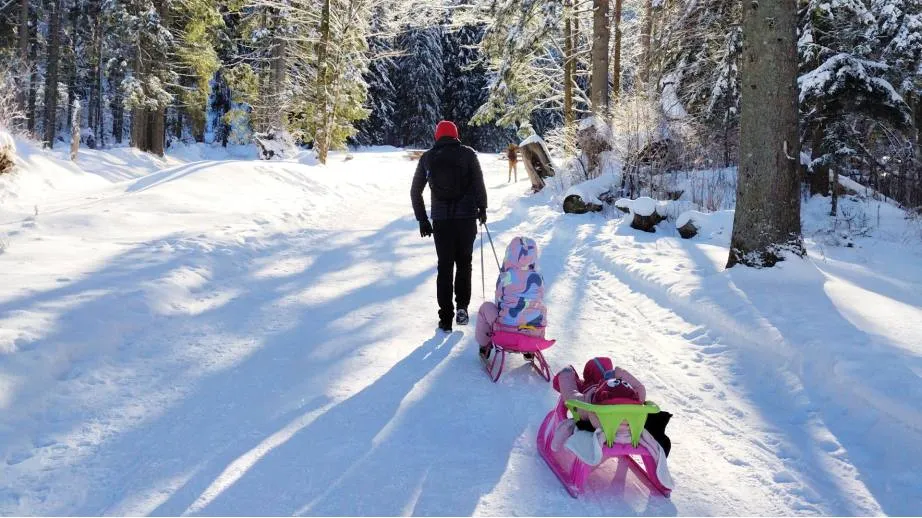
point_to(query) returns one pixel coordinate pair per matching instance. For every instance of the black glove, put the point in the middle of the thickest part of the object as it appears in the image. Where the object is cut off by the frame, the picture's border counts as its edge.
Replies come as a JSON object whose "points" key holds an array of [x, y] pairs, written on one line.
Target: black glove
{"points": [[482, 215], [425, 228]]}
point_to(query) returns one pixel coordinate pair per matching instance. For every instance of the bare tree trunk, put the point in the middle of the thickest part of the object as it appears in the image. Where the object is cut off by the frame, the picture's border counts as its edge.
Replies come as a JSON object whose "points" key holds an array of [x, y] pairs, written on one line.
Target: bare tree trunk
{"points": [[72, 65], [834, 209], [51, 78], [819, 179], [33, 77], [24, 56], [600, 39], [575, 43], [616, 56], [279, 68], [24, 29], [645, 38], [322, 137], [767, 217], [98, 126], [75, 129], [568, 68]]}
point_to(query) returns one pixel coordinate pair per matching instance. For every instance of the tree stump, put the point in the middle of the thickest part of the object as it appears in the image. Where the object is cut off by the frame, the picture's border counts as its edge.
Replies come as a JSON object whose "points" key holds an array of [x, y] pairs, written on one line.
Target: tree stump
{"points": [[537, 161], [574, 204], [645, 215], [689, 224]]}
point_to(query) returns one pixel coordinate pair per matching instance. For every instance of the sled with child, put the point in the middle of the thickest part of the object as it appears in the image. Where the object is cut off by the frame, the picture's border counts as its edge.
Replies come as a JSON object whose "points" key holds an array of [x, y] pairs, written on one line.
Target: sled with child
{"points": [[606, 417], [515, 322]]}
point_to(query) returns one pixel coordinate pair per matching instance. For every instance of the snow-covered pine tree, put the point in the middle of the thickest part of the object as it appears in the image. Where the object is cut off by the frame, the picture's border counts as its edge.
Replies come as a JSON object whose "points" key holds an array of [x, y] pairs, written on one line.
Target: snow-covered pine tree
{"points": [[466, 80], [848, 101], [699, 58], [216, 129], [421, 84], [198, 26], [334, 97], [381, 101], [146, 86], [524, 50]]}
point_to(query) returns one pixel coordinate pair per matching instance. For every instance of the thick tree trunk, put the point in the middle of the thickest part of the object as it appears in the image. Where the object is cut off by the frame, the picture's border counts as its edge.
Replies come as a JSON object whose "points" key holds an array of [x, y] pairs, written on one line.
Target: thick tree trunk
{"points": [[51, 77], [616, 55], [157, 128], [600, 40], [767, 217], [645, 37]]}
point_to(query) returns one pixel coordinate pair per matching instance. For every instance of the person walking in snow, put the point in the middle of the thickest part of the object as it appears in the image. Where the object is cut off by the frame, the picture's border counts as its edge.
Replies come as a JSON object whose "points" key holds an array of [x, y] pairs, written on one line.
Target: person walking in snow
{"points": [[458, 199]]}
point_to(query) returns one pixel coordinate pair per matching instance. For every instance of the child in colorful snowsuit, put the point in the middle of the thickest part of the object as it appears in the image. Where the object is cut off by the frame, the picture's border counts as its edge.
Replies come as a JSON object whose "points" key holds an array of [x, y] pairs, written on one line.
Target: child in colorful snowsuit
{"points": [[604, 384], [519, 306]]}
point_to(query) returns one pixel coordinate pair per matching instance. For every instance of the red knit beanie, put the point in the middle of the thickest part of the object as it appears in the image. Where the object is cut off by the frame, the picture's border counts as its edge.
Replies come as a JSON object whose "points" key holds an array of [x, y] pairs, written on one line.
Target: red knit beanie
{"points": [[446, 129]]}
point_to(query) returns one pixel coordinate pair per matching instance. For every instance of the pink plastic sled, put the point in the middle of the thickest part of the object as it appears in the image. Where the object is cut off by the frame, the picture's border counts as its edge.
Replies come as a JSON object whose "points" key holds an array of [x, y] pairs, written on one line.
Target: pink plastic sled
{"points": [[504, 341], [572, 472]]}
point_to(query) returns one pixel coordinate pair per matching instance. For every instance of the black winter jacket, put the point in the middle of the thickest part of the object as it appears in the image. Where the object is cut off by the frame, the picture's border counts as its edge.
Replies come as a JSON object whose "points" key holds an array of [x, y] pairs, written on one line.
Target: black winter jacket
{"points": [[465, 160]]}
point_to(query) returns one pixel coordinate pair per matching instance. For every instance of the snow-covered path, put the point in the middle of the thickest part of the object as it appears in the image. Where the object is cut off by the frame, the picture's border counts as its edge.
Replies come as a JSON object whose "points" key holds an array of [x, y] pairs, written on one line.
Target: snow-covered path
{"points": [[236, 337]]}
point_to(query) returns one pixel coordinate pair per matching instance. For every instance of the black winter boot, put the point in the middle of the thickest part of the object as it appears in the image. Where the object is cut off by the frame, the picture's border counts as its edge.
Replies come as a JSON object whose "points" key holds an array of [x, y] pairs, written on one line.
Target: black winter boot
{"points": [[445, 325], [462, 318]]}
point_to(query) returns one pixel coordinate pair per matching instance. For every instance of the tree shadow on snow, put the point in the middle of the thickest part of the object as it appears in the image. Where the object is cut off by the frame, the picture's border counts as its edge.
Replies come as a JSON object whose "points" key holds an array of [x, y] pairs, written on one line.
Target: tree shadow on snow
{"points": [[834, 364]]}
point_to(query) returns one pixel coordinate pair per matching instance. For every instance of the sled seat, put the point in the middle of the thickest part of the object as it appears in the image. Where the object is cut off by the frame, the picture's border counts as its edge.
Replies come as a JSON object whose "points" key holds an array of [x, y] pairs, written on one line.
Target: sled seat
{"points": [[573, 472], [520, 343]]}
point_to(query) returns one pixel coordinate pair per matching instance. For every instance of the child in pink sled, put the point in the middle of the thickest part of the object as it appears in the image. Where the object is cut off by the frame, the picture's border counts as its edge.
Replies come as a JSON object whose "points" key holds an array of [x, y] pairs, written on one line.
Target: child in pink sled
{"points": [[519, 306], [604, 384]]}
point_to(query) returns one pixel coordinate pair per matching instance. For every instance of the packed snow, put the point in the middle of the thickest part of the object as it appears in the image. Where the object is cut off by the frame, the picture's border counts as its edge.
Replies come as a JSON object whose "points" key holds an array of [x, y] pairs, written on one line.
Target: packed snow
{"points": [[202, 334]]}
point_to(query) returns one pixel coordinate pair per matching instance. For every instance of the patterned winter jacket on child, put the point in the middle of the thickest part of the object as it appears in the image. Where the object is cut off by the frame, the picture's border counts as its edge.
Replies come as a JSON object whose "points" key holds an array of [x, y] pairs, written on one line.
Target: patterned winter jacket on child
{"points": [[520, 287]]}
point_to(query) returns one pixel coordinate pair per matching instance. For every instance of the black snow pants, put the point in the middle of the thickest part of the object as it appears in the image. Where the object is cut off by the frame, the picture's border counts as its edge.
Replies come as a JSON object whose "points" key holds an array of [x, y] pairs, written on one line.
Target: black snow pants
{"points": [[454, 245]]}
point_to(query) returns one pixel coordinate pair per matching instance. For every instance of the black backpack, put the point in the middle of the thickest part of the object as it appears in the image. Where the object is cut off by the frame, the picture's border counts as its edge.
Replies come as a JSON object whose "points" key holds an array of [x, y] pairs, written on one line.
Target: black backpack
{"points": [[449, 178]]}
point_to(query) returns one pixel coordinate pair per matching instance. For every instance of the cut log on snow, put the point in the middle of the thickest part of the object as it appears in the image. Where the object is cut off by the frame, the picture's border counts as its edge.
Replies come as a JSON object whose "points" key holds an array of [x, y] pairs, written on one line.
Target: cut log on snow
{"points": [[537, 161], [645, 215], [688, 223], [624, 205], [574, 204]]}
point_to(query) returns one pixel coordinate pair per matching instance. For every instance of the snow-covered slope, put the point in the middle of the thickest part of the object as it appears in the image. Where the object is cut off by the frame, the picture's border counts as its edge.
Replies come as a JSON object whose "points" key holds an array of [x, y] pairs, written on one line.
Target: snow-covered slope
{"points": [[244, 337]]}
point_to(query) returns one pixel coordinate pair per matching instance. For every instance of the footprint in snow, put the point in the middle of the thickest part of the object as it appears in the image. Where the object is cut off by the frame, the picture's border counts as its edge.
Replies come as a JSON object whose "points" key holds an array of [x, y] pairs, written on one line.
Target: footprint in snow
{"points": [[19, 457]]}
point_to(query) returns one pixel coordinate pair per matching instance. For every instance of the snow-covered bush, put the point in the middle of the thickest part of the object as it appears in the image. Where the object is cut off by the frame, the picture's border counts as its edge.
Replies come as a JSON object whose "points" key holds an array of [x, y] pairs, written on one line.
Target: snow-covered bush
{"points": [[7, 153], [12, 77], [713, 190], [275, 144], [594, 138]]}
